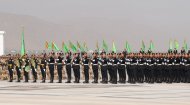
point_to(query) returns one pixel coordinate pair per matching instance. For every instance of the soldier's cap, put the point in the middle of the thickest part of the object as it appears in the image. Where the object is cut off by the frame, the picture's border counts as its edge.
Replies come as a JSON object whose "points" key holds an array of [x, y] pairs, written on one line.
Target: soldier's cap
{"points": [[103, 53], [95, 52], [118, 53], [83, 53]]}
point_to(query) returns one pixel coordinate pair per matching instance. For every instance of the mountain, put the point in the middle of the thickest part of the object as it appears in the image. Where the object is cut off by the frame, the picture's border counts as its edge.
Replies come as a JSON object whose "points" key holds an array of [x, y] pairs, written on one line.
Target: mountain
{"points": [[37, 31]]}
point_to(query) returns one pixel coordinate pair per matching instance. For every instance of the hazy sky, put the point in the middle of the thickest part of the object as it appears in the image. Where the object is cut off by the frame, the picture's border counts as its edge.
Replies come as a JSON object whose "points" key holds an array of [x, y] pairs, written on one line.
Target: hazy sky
{"points": [[135, 20]]}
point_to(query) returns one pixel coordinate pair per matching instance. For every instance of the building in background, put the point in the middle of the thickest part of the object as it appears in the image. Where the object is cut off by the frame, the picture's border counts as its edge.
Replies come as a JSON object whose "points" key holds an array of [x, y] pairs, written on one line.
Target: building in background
{"points": [[2, 47]]}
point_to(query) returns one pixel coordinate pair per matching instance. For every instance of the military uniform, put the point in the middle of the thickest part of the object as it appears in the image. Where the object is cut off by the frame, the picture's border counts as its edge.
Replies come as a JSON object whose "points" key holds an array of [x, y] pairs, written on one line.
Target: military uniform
{"points": [[169, 71], [110, 68], [85, 62], [128, 67], [104, 68], [182, 70], [68, 68], [176, 69], [133, 69], [94, 63], [51, 62], [115, 62], [76, 69], [26, 69], [10, 69], [121, 70], [159, 70], [151, 67], [18, 68], [43, 64], [34, 65], [187, 69], [141, 69], [59, 62]]}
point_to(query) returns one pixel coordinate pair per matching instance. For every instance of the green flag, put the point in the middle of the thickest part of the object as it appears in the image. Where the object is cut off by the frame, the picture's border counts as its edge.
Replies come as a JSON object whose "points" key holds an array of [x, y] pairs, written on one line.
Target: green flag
{"points": [[170, 45], [23, 50], [80, 47], [55, 46], [151, 46], [85, 46], [185, 45], [127, 46], [105, 46], [97, 46], [176, 44], [65, 48], [73, 47], [50, 46], [113, 47], [143, 46]]}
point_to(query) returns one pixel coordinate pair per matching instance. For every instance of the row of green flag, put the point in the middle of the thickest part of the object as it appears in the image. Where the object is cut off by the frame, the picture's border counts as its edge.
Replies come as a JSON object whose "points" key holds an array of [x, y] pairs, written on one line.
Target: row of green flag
{"points": [[79, 46], [66, 48], [175, 44], [83, 47]]}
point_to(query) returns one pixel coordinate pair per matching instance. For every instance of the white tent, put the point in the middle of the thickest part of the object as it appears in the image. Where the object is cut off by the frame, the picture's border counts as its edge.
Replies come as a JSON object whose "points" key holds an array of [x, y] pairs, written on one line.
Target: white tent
{"points": [[2, 42]]}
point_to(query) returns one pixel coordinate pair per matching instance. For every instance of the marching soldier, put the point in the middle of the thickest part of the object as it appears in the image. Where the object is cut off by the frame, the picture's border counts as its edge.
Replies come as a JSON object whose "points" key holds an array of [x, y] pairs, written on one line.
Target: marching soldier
{"points": [[10, 63], [115, 62], [51, 62], [94, 63], [76, 67], [182, 69], [133, 68], [110, 67], [169, 74], [176, 68], [141, 68], [85, 63], [187, 68], [18, 64], [121, 68], [128, 67], [34, 65], [26, 67], [150, 63], [159, 68], [68, 67], [59, 62], [104, 67], [43, 63]]}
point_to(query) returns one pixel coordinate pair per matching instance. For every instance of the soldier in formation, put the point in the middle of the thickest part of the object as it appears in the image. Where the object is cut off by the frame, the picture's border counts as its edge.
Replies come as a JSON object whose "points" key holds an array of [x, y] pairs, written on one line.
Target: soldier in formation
{"points": [[122, 67]]}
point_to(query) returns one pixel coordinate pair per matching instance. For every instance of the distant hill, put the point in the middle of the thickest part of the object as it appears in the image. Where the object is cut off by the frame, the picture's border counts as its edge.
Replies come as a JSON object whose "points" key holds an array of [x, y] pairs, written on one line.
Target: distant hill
{"points": [[37, 31]]}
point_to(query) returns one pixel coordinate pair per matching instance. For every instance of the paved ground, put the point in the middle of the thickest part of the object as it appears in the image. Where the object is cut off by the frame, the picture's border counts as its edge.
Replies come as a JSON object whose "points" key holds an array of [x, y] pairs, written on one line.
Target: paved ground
{"points": [[93, 94]]}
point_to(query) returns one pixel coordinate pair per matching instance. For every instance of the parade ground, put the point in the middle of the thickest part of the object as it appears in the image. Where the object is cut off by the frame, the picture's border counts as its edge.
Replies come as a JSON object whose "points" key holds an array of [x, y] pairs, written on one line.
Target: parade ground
{"points": [[93, 94]]}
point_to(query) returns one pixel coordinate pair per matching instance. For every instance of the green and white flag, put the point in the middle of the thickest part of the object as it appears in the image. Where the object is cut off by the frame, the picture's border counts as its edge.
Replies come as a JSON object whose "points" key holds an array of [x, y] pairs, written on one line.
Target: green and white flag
{"points": [[185, 45], [113, 47], [128, 48], [170, 45], [23, 50], [73, 47], [143, 46], [176, 44], [55, 47], [105, 46], [151, 46]]}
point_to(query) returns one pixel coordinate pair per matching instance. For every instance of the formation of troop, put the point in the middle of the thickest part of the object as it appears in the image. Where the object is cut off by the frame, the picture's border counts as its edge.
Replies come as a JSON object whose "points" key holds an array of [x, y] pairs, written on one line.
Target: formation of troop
{"points": [[122, 67]]}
